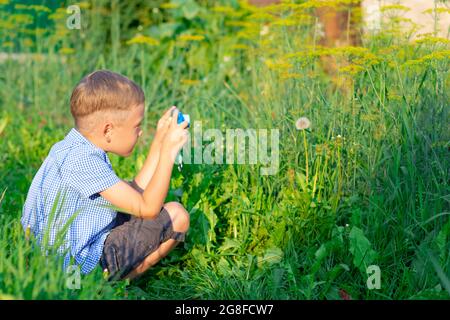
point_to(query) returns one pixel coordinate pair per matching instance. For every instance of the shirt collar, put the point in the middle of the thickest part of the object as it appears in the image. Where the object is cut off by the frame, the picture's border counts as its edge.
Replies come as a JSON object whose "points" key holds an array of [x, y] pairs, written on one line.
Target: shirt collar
{"points": [[75, 137]]}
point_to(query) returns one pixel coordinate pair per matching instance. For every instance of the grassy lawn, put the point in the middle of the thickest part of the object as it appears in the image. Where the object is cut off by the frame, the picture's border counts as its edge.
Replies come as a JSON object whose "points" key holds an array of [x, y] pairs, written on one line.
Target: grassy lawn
{"points": [[366, 184]]}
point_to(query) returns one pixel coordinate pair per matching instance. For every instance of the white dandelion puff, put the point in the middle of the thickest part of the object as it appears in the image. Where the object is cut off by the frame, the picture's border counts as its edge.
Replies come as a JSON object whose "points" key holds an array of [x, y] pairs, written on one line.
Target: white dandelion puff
{"points": [[302, 123], [264, 30]]}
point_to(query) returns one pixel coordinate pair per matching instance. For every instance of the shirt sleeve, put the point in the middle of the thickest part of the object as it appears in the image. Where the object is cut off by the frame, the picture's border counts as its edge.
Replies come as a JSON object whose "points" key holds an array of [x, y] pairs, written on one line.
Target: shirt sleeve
{"points": [[89, 174]]}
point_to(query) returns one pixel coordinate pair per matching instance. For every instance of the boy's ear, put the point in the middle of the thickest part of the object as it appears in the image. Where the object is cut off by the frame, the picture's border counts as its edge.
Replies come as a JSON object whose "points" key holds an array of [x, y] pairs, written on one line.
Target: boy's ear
{"points": [[107, 131]]}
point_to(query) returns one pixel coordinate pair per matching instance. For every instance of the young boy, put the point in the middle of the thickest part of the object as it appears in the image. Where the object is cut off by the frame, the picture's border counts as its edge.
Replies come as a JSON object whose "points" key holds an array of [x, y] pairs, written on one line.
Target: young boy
{"points": [[77, 179]]}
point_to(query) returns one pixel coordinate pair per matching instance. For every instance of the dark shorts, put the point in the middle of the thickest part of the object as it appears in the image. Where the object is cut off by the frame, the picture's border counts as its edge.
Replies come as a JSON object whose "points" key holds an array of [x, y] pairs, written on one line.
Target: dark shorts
{"points": [[132, 239]]}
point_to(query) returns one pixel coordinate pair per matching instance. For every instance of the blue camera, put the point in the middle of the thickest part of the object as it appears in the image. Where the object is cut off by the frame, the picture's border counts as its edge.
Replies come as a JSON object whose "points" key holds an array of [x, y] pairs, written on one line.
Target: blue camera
{"points": [[182, 117]]}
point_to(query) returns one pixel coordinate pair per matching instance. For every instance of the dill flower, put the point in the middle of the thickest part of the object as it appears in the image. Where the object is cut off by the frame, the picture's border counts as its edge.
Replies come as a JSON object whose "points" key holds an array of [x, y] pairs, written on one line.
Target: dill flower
{"points": [[169, 5], [246, 24], [8, 44], [351, 69], [66, 51], [287, 75], [28, 42], [438, 10], [58, 14], [33, 7], [240, 46], [279, 64], [302, 123], [141, 39], [84, 5], [432, 40], [189, 37], [286, 22], [189, 82], [261, 16], [223, 9], [393, 7]]}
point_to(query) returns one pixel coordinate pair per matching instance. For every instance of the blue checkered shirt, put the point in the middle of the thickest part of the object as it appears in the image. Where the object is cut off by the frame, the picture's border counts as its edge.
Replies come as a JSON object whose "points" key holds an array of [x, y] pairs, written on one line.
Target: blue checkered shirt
{"points": [[64, 198]]}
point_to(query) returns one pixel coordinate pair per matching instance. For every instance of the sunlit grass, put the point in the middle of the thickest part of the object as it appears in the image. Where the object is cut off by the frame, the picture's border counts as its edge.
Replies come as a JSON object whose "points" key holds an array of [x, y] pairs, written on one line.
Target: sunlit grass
{"points": [[369, 173]]}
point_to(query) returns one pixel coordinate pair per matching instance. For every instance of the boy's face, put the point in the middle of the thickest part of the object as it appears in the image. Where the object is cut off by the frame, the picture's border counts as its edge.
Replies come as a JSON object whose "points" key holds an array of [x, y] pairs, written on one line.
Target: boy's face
{"points": [[125, 134]]}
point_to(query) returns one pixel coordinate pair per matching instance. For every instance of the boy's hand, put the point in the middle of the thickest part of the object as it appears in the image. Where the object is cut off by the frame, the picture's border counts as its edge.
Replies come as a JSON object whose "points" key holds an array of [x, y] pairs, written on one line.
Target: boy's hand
{"points": [[163, 125], [176, 136]]}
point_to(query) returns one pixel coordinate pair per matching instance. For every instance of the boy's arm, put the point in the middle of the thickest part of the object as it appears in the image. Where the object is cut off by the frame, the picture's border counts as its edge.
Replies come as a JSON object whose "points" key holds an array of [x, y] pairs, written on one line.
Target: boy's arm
{"points": [[148, 203], [144, 176]]}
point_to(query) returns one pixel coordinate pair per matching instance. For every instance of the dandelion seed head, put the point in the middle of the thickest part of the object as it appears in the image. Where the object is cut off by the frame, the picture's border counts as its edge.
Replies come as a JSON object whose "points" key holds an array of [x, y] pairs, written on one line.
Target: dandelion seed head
{"points": [[302, 123], [264, 30]]}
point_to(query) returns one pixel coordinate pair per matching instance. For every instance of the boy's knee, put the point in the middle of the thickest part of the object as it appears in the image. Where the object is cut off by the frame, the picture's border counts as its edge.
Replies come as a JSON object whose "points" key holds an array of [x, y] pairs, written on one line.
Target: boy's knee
{"points": [[179, 216]]}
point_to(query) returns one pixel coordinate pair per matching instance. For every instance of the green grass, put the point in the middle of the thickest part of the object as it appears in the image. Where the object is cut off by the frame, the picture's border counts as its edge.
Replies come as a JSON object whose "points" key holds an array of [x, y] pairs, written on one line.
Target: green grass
{"points": [[376, 190]]}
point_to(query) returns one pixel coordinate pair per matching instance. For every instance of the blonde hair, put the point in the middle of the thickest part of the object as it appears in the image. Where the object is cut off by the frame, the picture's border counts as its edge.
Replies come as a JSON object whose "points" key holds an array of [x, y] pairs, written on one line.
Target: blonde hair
{"points": [[104, 90]]}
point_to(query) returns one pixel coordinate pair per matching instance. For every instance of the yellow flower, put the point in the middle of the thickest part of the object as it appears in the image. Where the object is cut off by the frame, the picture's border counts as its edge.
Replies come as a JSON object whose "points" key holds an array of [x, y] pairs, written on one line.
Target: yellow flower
{"points": [[432, 40], [21, 19], [223, 9], [8, 44], [351, 69], [40, 8], [141, 39], [189, 37], [59, 14], [189, 82], [394, 7], [66, 51], [169, 5], [435, 56], [20, 6], [3, 2], [28, 232], [370, 117], [28, 42], [394, 96], [39, 31], [84, 5], [438, 10], [261, 16], [248, 33], [286, 22], [246, 24], [278, 64], [239, 46], [287, 75], [229, 11]]}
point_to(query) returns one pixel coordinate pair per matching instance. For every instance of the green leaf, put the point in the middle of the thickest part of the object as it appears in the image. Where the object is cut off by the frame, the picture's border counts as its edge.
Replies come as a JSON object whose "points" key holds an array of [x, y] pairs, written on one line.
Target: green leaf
{"points": [[230, 244], [301, 179], [320, 255], [190, 9], [271, 256], [442, 241], [361, 249], [3, 123], [164, 30]]}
